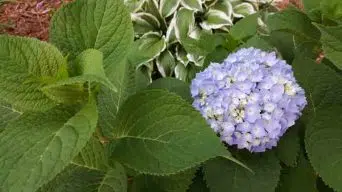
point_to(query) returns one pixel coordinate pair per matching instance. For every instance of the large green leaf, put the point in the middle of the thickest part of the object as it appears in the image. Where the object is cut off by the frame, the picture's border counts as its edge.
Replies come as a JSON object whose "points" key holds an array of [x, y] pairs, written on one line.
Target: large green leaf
{"points": [[289, 147], [165, 132], [103, 25], [293, 21], [90, 171], [332, 43], [331, 9], [7, 114], [222, 175], [127, 81], [173, 183], [173, 85], [299, 178], [42, 145], [26, 65], [324, 145], [246, 27], [257, 41], [90, 69]]}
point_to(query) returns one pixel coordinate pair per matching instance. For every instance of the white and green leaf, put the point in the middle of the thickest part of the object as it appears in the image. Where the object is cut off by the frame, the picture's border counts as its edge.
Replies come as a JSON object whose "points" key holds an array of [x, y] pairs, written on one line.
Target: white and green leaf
{"points": [[168, 7], [166, 63], [144, 22], [215, 19], [243, 9], [185, 20], [195, 5]]}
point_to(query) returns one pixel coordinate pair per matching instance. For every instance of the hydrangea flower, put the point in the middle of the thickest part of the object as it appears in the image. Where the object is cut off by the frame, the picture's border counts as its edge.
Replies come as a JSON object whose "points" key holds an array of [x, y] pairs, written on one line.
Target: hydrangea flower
{"points": [[250, 99]]}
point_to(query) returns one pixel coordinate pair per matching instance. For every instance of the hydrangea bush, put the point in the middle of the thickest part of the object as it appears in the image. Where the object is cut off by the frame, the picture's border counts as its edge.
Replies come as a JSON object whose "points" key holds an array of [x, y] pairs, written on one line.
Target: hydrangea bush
{"points": [[261, 114], [250, 100]]}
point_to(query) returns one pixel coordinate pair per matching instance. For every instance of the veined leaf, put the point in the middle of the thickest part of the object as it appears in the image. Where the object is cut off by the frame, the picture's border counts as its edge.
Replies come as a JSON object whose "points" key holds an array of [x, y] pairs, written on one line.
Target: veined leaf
{"points": [[78, 178], [42, 145], [289, 147], [331, 39], [133, 5], [165, 132], [90, 171], [299, 178], [128, 80], [245, 27], [222, 175], [147, 48], [331, 9], [103, 25], [293, 21], [89, 66], [7, 114], [26, 65], [171, 183], [323, 144], [173, 85], [168, 7]]}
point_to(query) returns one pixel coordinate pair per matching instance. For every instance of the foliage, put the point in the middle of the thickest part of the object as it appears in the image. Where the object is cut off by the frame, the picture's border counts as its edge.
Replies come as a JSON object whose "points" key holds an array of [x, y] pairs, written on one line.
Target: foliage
{"points": [[80, 112]]}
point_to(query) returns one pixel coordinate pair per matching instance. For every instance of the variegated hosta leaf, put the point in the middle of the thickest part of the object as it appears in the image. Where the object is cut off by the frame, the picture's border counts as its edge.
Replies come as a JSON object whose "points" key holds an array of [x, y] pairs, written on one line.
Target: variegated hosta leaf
{"points": [[196, 59], [151, 6], [148, 47], [186, 73], [215, 19], [195, 32], [195, 5], [185, 20], [209, 3], [144, 23], [168, 7], [170, 33], [243, 9], [166, 63], [181, 55], [133, 5], [225, 6]]}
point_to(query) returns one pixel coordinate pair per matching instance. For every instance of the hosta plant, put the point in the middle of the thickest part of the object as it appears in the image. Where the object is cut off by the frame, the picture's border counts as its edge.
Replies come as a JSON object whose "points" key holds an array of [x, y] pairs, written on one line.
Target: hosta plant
{"points": [[168, 30], [78, 113]]}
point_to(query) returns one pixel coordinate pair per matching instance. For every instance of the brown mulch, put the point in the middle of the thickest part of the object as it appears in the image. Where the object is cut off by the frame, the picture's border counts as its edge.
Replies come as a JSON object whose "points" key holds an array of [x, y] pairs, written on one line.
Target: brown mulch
{"points": [[28, 17]]}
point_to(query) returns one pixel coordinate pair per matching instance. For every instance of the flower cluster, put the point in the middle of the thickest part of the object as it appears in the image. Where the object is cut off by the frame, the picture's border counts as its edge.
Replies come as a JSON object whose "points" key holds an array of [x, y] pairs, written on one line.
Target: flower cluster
{"points": [[250, 100]]}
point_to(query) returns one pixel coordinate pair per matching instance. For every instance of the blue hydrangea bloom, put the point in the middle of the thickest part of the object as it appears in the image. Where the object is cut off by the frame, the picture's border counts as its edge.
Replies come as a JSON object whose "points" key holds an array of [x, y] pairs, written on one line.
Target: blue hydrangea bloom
{"points": [[250, 99]]}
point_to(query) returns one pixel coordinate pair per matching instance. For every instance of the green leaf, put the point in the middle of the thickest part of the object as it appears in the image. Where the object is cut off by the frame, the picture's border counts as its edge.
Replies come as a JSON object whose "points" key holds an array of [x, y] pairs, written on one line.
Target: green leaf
{"points": [[257, 41], [172, 183], [299, 178], [7, 114], [79, 178], [321, 84], [124, 78], [168, 7], [166, 63], [148, 47], [198, 184], [173, 85], [293, 21], [289, 147], [103, 25], [144, 22], [187, 73], [165, 132], [133, 5], [245, 28], [71, 90], [309, 5], [332, 9], [223, 175], [323, 144], [42, 145], [284, 42], [218, 55], [26, 65], [332, 43]]}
